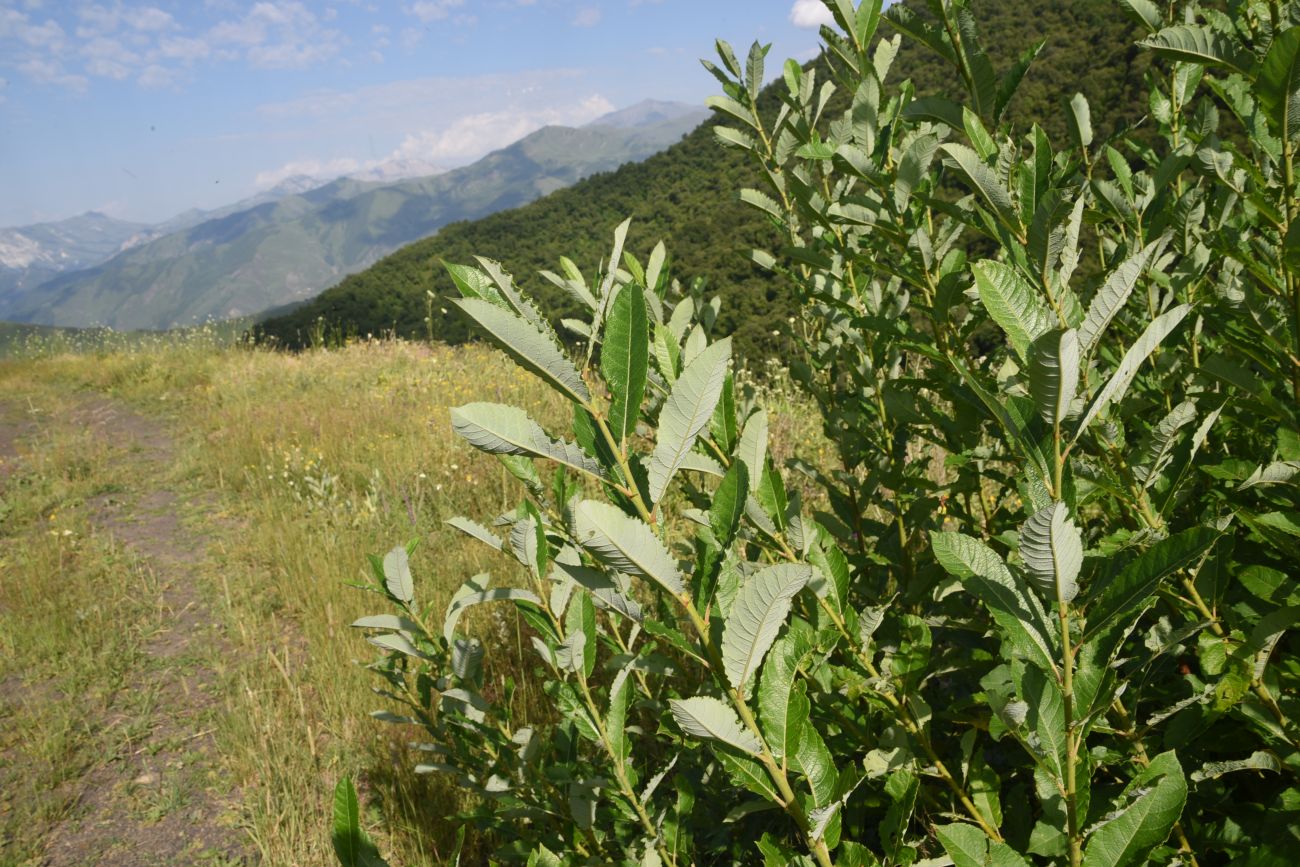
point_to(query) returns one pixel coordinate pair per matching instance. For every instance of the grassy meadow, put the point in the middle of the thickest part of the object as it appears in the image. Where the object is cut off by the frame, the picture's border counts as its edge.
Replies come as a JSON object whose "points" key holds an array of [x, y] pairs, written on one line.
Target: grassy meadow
{"points": [[293, 468]]}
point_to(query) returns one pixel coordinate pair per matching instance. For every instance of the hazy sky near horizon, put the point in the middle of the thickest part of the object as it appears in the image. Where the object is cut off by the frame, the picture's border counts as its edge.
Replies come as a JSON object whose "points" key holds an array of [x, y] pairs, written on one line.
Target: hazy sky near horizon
{"points": [[145, 109]]}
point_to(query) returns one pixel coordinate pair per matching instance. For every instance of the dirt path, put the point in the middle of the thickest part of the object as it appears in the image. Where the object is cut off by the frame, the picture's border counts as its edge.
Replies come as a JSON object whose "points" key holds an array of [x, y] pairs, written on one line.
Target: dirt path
{"points": [[171, 768]]}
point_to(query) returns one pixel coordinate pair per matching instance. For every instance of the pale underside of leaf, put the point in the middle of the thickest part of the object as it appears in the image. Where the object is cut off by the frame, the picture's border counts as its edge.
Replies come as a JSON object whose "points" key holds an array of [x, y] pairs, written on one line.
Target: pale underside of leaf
{"points": [[686, 412], [397, 575], [1018, 614], [756, 616], [1013, 303], [507, 430], [1052, 548], [708, 718], [984, 180], [1054, 374], [528, 346], [1120, 380], [1112, 296], [625, 543]]}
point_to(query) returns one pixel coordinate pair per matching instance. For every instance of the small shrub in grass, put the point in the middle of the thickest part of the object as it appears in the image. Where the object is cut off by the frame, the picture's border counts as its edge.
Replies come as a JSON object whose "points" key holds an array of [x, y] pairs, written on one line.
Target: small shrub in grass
{"points": [[1070, 645]]}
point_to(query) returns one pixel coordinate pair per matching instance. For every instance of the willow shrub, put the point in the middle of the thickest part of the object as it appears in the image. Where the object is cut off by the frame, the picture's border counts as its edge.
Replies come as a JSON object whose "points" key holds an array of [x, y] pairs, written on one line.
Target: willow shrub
{"points": [[1044, 616]]}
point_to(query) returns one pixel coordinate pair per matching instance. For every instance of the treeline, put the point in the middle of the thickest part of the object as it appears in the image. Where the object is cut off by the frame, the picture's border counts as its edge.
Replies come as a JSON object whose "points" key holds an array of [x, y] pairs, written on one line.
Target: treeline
{"points": [[686, 196]]}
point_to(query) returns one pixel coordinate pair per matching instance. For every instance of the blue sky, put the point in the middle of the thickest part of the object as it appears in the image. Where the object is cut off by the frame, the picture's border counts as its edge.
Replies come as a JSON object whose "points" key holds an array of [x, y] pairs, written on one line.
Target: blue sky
{"points": [[145, 109]]}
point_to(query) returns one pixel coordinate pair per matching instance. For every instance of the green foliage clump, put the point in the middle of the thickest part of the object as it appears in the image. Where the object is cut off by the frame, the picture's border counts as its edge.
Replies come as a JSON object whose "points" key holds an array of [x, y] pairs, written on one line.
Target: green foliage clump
{"points": [[1044, 614]]}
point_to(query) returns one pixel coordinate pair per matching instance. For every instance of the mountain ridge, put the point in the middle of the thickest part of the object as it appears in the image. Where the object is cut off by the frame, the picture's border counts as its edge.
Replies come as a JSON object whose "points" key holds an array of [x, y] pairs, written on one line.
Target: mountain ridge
{"points": [[288, 247]]}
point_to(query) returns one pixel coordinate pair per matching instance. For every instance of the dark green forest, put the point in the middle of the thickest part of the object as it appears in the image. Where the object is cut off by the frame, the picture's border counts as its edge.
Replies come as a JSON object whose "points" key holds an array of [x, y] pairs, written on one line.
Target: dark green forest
{"points": [[687, 195]]}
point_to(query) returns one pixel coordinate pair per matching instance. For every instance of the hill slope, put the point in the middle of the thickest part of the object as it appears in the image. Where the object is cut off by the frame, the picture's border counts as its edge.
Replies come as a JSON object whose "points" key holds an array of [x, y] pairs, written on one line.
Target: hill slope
{"points": [[687, 195], [293, 247], [31, 255]]}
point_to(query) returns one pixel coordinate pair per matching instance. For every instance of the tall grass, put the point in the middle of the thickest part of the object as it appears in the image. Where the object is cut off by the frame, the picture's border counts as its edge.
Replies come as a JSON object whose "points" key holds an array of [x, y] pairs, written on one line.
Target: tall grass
{"points": [[318, 459]]}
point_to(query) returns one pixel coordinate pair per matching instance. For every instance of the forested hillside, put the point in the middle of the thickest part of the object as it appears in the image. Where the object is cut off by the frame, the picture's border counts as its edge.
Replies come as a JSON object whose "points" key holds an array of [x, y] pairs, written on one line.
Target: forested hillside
{"points": [[688, 195]]}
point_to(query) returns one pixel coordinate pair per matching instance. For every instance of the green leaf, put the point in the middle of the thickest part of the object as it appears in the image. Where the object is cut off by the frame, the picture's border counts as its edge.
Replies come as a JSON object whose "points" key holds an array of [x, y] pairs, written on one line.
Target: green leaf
{"points": [[1052, 548], [1054, 373], [580, 620], [688, 409], [814, 760], [1137, 581], [625, 543], [1013, 303], [1012, 78], [748, 774], [1278, 86], [467, 597], [394, 622], [533, 350], [1158, 443], [706, 717], [475, 530], [1112, 296], [543, 857], [1146, 13], [476, 584], [729, 504], [830, 581], [625, 358], [620, 690], [913, 168], [667, 352], [783, 708], [754, 69], [473, 283], [1260, 760], [1195, 44], [756, 616], [968, 846], [397, 575], [1146, 812], [602, 588], [753, 448], [723, 424], [506, 430], [985, 182], [1046, 716], [351, 845], [528, 542], [1080, 121], [1021, 618], [1120, 380]]}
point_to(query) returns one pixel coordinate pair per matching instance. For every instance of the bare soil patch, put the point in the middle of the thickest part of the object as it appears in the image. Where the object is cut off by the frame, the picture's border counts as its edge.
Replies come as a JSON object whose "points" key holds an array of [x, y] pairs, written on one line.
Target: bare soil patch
{"points": [[163, 798]]}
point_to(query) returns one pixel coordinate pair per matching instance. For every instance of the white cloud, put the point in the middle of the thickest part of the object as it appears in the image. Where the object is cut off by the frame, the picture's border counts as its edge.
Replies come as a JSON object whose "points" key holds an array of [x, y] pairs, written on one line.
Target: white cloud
{"points": [[311, 168], [588, 16], [810, 13], [150, 19], [428, 11], [47, 71], [184, 48], [410, 37], [476, 134], [516, 106], [279, 35], [156, 77]]}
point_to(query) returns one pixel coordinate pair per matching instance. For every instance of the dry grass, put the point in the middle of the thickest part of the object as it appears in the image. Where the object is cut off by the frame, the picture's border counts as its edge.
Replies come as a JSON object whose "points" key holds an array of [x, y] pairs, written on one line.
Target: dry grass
{"points": [[319, 459]]}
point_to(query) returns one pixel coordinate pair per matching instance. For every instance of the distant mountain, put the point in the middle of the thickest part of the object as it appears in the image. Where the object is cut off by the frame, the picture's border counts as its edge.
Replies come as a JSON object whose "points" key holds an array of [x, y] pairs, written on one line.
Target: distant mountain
{"points": [[688, 195], [649, 112], [30, 255], [291, 247], [398, 170]]}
